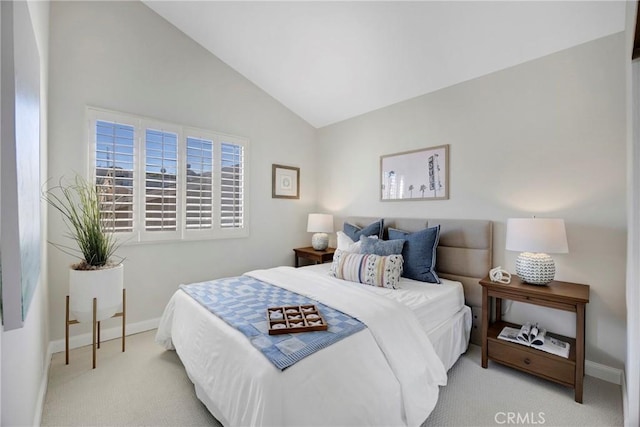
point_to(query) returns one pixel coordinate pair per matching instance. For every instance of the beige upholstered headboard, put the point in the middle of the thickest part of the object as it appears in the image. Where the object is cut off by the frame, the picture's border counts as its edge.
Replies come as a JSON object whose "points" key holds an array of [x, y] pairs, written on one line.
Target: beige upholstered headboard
{"points": [[464, 253]]}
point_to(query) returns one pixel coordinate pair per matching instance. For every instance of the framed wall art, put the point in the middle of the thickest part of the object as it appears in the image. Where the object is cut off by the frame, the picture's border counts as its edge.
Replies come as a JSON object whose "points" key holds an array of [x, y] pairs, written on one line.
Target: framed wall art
{"points": [[285, 181], [415, 175], [20, 176]]}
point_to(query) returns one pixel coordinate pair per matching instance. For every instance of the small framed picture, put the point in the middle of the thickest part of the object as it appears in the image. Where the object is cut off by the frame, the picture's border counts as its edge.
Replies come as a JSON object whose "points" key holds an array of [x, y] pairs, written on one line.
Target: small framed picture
{"points": [[285, 182]]}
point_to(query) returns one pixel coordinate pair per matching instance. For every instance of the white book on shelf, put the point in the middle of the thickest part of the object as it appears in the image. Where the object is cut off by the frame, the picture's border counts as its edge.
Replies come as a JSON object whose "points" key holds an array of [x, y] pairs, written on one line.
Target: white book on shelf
{"points": [[510, 334], [535, 337], [554, 346]]}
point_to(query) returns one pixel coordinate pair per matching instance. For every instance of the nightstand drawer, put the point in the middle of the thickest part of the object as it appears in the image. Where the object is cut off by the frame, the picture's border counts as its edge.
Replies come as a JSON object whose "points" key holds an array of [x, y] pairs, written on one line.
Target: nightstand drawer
{"points": [[533, 361]]}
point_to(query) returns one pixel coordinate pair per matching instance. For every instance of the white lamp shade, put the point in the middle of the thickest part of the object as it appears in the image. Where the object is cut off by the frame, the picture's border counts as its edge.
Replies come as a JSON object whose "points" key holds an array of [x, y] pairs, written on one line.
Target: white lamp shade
{"points": [[320, 223], [538, 235]]}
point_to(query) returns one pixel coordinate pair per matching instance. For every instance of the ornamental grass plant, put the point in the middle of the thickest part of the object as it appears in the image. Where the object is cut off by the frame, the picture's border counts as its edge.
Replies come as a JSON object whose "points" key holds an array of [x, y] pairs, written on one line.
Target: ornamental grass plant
{"points": [[80, 203]]}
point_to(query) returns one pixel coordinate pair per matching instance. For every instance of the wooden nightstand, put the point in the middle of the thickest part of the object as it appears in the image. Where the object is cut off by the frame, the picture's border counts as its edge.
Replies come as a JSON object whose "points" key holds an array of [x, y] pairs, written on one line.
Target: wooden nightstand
{"points": [[313, 255], [559, 295]]}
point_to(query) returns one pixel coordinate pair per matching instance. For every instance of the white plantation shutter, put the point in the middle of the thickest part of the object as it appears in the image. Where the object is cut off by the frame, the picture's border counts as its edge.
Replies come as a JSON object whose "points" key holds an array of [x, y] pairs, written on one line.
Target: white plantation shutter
{"points": [[232, 185], [114, 174], [160, 181], [199, 203]]}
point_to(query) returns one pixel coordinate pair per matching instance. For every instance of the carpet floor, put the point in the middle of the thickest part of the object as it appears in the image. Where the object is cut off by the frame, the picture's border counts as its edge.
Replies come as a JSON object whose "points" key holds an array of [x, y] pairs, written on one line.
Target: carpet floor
{"points": [[148, 386]]}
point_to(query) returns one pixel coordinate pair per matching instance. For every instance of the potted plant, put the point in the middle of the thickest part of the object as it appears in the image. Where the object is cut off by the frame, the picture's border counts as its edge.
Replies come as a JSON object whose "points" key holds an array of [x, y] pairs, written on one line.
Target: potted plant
{"points": [[97, 275]]}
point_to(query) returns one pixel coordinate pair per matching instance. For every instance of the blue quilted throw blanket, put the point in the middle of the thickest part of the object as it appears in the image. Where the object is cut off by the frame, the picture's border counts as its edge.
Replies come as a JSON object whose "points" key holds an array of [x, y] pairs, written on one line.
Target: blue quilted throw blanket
{"points": [[242, 303]]}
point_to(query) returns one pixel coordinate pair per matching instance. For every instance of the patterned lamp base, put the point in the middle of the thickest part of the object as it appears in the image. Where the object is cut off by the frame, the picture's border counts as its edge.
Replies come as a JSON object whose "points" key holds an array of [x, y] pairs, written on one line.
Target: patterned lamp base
{"points": [[535, 269], [320, 241]]}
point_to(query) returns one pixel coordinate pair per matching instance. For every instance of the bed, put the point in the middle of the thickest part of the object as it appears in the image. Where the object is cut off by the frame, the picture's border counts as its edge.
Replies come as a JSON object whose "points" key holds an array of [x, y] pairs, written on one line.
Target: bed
{"points": [[386, 374]]}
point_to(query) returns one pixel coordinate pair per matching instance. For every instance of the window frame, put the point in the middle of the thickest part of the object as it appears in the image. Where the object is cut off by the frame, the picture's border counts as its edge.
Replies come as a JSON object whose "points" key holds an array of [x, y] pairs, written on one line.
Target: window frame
{"points": [[140, 124]]}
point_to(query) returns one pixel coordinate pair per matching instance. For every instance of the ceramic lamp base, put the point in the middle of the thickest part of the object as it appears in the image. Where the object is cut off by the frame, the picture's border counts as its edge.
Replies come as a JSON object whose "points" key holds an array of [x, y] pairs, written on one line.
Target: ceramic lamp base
{"points": [[320, 241], [535, 269]]}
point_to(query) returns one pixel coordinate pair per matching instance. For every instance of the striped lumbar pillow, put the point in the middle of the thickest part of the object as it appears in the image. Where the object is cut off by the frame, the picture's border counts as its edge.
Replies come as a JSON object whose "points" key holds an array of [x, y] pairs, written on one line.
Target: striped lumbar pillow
{"points": [[368, 269]]}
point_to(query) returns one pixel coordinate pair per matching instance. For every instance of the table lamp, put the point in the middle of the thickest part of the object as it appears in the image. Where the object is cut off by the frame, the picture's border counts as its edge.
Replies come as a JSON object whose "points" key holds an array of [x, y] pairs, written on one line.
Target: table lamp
{"points": [[320, 224], [534, 238]]}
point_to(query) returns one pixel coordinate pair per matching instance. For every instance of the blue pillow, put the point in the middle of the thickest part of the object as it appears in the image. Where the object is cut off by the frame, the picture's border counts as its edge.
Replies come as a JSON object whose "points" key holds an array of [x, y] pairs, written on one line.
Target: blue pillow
{"points": [[419, 253], [354, 232], [370, 245]]}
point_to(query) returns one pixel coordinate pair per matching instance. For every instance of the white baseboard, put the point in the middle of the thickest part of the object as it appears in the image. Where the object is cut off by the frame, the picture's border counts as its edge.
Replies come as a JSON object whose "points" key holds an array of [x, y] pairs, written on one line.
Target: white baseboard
{"points": [[603, 372], [44, 384], [625, 400], [105, 335]]}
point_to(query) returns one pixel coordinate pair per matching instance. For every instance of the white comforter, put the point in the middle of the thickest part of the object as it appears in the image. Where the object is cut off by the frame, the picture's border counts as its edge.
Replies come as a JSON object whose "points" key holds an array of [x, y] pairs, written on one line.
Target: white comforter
{"points": [[387, 374]]}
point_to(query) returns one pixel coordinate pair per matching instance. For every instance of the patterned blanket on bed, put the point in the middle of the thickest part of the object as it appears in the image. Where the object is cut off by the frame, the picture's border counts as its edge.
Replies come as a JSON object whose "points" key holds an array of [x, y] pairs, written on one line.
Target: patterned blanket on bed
{"points": [[242, 303]]}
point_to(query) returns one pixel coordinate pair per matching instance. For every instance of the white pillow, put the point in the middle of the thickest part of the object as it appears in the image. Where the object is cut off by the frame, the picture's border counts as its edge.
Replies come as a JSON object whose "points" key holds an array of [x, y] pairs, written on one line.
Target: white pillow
{"points": [[347, 245]]}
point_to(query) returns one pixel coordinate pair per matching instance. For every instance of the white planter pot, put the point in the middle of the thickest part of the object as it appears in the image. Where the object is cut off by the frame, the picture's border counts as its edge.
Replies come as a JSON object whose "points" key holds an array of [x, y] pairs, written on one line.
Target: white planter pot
{"points": [[104, 285]]}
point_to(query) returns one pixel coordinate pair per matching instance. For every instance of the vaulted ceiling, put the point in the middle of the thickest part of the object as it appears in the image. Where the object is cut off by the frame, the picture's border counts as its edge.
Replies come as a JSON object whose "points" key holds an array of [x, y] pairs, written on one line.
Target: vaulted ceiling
{"points": [[330, 61]]}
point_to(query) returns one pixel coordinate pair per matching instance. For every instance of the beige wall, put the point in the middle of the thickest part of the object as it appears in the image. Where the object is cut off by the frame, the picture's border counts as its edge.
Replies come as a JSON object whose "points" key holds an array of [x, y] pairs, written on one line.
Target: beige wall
{"points": [[124, 57], [544, 138]]}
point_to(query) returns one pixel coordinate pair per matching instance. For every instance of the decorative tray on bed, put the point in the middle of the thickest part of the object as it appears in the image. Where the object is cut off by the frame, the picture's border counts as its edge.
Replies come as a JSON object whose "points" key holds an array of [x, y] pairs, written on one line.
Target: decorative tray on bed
{"points": [[295, 318]]}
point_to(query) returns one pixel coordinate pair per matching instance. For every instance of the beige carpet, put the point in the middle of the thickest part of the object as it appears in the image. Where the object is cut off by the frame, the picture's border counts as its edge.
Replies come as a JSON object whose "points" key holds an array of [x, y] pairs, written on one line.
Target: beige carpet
{"points": [[147, 386], [486, 397]]}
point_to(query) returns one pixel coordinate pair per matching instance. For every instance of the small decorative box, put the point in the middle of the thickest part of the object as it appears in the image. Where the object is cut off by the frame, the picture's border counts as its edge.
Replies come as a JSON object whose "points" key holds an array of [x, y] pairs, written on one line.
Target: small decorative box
{"points": [[295, 318]]}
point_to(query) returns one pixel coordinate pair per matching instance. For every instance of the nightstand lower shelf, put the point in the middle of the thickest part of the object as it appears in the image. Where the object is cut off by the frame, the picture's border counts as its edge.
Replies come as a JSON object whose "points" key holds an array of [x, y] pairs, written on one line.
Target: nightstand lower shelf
{"points": [[536, 362]]}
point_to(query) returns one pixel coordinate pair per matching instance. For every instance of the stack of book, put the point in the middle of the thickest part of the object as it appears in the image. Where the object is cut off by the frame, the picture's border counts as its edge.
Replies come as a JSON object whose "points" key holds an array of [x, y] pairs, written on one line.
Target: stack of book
{"points": [[536, 337]]}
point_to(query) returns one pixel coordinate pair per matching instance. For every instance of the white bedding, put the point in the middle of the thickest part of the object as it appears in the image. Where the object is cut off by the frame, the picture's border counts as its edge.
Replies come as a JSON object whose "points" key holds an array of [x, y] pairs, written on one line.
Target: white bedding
{"points": [[387, 374], [431, 303]]}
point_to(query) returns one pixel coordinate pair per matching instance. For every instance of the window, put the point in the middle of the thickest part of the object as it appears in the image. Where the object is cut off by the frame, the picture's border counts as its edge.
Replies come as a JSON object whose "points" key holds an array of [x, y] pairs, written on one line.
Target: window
{"points": [[160, 181], [231, 207], [199, 183], [114, 172]]}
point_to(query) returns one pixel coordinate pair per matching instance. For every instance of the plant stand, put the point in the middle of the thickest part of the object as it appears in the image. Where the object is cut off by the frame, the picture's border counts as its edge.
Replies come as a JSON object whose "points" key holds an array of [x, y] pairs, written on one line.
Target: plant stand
{"points": [[95, 327]]}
